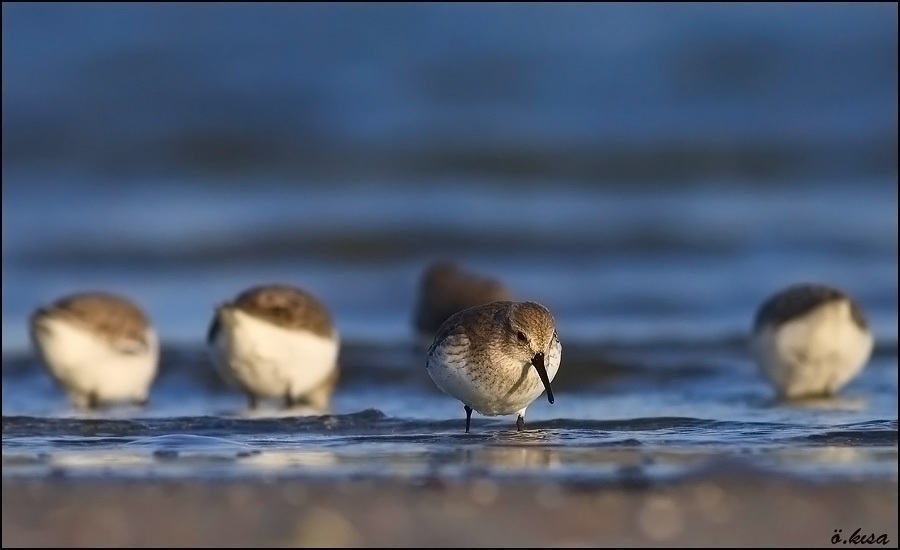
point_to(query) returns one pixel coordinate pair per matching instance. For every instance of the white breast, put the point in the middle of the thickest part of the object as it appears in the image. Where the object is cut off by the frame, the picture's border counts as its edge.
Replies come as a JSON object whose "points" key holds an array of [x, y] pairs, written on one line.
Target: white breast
{"points": [[498, 386], [271, 361], [817, 354], [85, 364]]}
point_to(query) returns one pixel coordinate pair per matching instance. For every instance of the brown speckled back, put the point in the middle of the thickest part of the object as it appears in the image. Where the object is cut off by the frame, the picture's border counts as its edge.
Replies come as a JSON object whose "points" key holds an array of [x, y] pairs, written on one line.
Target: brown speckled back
{"points": [[108, 315], [489, 324], [799, 299], [287, 307]]}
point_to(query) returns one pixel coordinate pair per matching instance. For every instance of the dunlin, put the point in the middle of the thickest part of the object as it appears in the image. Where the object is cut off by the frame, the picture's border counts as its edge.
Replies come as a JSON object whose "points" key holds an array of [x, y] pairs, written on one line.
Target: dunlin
{"points": [[100, 348], [496, 358], [810, 340], [276, 342], [445, 289]]}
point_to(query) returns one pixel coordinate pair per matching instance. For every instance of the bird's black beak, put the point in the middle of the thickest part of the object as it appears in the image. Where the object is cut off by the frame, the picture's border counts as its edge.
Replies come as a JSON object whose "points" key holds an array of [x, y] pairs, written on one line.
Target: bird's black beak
{"points": [[538, 362]]}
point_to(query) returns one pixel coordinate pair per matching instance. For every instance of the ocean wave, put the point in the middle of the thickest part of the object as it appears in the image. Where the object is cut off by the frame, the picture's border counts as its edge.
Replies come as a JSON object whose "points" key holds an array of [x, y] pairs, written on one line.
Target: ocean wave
{"points": [[376, 426]]}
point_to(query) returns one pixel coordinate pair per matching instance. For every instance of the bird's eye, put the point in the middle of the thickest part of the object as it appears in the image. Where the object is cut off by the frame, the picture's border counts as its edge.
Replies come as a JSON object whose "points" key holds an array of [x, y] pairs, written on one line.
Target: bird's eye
{"points": [[521, 336]]}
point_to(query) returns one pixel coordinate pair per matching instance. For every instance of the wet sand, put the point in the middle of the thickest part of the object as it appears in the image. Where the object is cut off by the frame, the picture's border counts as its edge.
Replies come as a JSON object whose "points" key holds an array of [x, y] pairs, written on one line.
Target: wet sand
{"points": [[730, 509]]}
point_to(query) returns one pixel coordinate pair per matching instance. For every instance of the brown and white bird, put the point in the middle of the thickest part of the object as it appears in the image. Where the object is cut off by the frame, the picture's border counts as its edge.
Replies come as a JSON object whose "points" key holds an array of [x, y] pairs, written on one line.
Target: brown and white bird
{"points": [[496, 358], [445, 289], [99, 347], [276, 342], [810, 340]]}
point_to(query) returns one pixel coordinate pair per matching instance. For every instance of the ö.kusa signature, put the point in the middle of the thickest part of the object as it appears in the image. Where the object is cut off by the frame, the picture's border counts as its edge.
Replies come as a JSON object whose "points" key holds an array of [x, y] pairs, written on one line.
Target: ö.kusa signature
{"points": [[859, 538]]}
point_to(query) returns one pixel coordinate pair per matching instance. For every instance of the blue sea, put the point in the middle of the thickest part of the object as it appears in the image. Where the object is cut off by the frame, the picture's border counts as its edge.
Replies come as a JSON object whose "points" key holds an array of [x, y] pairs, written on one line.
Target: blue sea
{"points": [[650, 173]]}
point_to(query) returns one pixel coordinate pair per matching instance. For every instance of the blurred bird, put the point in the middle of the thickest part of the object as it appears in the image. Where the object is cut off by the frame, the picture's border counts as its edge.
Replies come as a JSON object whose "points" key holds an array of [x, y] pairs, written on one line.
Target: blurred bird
{"points": [[445, 289], [99, 347], [276, 342], [810, 340]]}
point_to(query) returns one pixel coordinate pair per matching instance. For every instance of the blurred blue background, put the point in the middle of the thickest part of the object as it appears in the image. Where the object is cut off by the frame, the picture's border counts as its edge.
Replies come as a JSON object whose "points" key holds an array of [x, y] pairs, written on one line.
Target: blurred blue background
{"points": [[646, 171]]}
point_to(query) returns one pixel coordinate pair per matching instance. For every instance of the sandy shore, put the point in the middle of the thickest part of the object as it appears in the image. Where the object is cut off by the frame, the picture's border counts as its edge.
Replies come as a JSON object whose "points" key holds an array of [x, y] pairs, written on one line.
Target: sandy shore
{"points": [[726, 510]]}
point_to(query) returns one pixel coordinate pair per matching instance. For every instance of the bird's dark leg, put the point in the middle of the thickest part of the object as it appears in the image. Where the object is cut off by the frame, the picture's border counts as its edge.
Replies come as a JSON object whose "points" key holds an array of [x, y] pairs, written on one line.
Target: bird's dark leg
{"points": [[251, 401], [468, 417], [142, 403], [288, 400], [93, 401], [520, 423]]}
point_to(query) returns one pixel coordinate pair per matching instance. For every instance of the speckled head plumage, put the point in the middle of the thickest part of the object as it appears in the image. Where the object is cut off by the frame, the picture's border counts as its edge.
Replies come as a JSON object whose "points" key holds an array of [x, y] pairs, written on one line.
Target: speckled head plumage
{"points": [[503, 322], [446, 289], [798, 300], [108, 316]]}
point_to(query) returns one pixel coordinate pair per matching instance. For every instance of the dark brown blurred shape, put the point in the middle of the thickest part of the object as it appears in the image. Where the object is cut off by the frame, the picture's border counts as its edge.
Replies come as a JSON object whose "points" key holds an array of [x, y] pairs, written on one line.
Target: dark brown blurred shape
{"points": [[445, 289]]}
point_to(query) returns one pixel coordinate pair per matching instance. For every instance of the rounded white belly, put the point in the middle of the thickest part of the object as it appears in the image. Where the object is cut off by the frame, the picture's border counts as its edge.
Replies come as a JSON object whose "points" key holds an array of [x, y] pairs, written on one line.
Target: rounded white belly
{"points": [[501, 387], [85, 364], [271, 361], [817, 354]]}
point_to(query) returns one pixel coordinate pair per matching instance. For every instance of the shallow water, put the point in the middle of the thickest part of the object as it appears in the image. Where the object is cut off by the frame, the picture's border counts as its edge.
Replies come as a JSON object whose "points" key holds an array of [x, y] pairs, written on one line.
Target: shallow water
{"points": [[650, 174], [611, 420]]}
